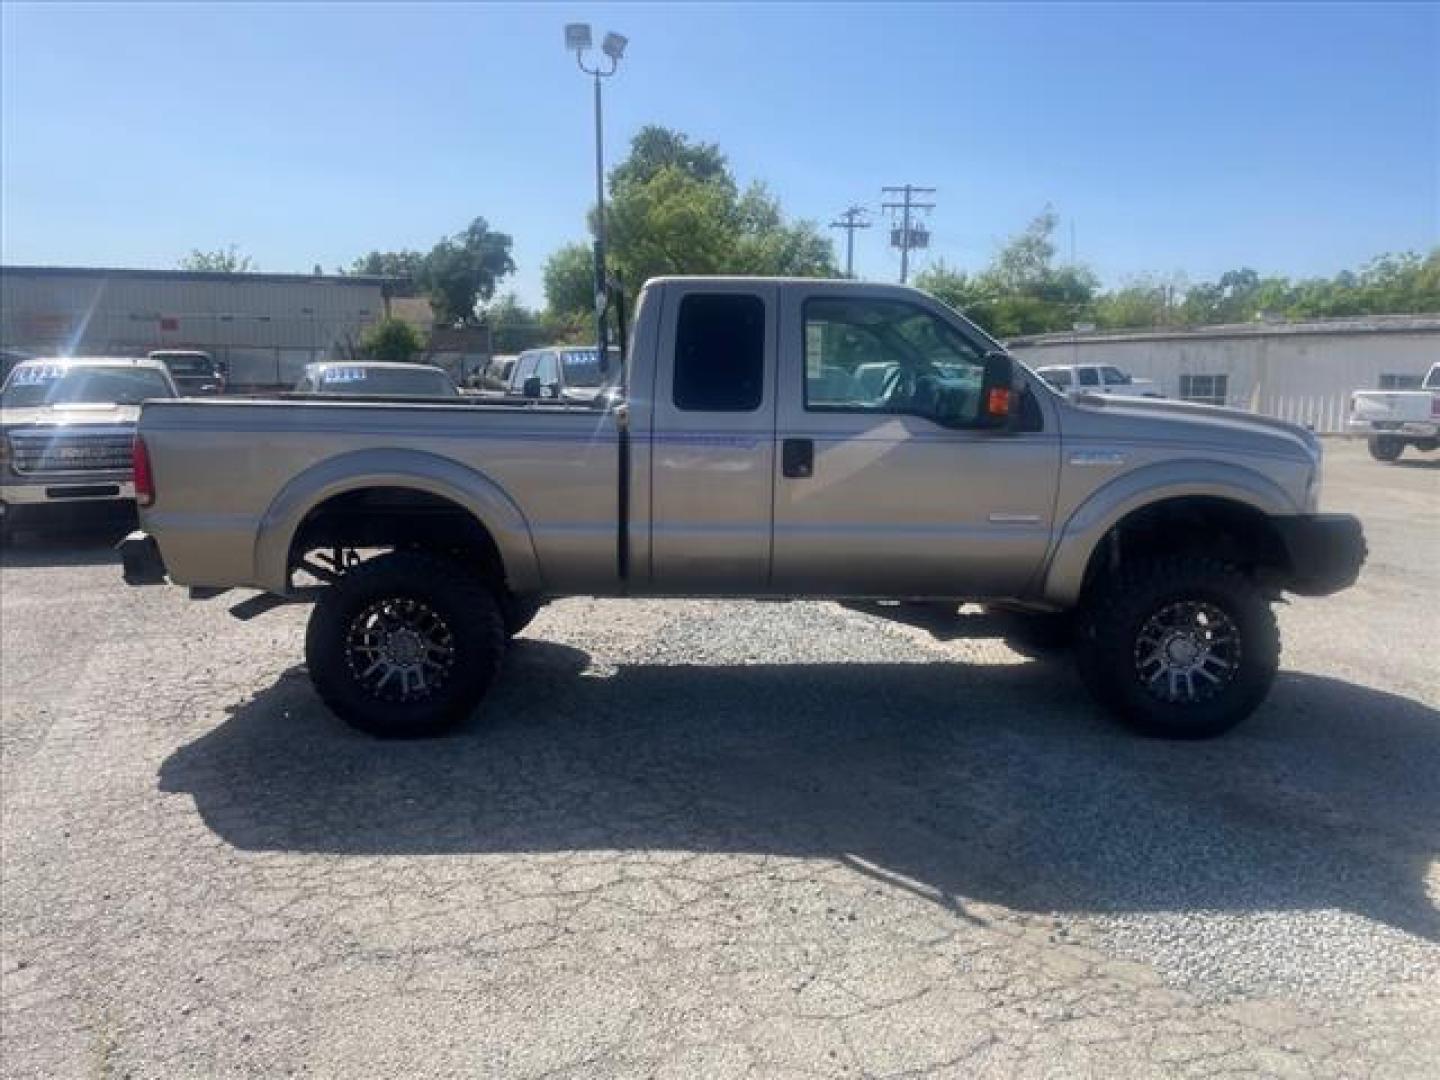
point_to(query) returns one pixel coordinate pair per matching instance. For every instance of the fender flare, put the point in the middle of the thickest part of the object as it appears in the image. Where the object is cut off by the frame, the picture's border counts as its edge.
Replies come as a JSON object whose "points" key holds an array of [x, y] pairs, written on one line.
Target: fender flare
{"points": [[1077, 540], [416, 470]]}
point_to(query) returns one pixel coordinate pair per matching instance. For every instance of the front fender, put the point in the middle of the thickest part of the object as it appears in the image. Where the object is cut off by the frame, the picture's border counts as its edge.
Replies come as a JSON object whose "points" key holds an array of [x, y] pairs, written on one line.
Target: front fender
{"points": [[1147, 486], [412, 469]]}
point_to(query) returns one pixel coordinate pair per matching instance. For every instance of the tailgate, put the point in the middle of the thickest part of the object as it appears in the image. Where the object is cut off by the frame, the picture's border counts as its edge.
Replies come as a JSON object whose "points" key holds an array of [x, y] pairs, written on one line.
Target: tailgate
{"points": [[1379, 406]]}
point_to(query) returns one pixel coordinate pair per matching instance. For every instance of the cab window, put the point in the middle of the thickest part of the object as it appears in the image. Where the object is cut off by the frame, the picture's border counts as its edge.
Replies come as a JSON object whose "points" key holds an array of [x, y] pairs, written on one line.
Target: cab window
{"points": [[889, 356], [1088, 376]]}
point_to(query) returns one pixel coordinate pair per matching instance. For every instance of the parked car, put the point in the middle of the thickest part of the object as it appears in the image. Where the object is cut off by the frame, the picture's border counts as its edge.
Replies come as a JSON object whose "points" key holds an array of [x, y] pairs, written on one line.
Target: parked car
{"points": [[1395, 419], [1097, 379], [66, 428], [375, 379], [741, 465], [193, 372], [563, 373], [495, 375]]}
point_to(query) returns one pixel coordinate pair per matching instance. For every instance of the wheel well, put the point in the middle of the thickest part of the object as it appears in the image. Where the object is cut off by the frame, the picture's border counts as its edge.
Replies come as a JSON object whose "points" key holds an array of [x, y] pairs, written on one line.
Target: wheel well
{"points": [[396, 518], [1219, 528]]}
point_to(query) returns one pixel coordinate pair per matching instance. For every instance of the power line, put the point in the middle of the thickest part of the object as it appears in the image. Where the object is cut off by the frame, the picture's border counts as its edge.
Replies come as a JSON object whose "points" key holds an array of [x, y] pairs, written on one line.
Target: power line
{"points": [[908, 236], [851, 220]]}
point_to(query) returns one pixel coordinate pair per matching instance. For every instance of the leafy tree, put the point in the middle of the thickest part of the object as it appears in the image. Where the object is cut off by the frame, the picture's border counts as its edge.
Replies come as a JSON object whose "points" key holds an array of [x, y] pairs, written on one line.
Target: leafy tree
{"points": [[1022, 291], [227, 260], [462, 270], [655, 148], [675, 208], [392, 341], [570, 279], [405, 263], [514, 327]]}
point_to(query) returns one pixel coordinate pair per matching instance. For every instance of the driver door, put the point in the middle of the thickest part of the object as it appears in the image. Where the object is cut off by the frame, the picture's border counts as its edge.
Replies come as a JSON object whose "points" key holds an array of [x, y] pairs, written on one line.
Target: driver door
{"points": [[884, 484]]}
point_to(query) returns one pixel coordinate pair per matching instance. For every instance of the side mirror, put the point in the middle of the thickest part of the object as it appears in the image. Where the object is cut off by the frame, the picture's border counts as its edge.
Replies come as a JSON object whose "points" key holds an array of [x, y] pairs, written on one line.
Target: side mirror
{"points": [[531, 387], [998, 400]]}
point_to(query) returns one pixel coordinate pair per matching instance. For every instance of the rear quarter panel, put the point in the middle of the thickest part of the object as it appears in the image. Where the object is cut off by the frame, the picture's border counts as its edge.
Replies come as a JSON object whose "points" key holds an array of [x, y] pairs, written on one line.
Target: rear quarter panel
{"points": [[226, 480]]}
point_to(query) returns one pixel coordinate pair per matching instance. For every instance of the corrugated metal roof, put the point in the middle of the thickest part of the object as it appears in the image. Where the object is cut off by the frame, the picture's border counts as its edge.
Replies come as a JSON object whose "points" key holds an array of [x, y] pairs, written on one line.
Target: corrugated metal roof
{"points": [[367, 280], [1368, 324]]}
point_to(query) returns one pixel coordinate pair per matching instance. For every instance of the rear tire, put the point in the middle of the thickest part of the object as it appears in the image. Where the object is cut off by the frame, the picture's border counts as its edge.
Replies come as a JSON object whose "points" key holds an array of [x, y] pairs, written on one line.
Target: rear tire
{"points": [[1181, 648], [405, 645], [1386, 447]]}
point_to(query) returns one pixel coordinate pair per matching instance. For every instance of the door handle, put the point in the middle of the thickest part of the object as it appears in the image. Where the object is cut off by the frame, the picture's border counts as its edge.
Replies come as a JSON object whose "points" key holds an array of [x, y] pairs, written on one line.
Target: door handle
{"points": [[797, 458]]}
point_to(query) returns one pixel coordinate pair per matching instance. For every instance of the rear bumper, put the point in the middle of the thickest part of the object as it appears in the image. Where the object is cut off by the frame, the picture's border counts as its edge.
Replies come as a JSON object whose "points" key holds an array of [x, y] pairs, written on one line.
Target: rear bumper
{"points": [[39, 491], [1425, 429], [1326, 552], [142, 560]]}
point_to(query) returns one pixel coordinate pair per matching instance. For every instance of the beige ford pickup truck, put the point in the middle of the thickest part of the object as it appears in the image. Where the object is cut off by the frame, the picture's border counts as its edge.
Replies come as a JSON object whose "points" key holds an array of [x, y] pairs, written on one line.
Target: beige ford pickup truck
{"points": [[768, 438]]}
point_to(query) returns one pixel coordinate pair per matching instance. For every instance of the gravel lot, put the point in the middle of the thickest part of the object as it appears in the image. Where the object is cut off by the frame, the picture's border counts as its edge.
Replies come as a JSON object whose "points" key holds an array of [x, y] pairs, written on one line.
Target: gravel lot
{"points": [[718, 839]]}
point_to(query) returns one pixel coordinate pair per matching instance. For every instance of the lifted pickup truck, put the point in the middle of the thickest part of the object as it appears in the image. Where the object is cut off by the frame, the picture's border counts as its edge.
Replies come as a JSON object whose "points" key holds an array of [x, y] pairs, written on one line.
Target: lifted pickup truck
{"points": [[771, 438], [1395, 419]]}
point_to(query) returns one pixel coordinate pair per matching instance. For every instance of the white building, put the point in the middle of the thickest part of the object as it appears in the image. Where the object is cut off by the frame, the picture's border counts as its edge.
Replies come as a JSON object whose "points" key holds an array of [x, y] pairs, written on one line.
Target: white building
{"points": [[1302, 372], [266, 326]]}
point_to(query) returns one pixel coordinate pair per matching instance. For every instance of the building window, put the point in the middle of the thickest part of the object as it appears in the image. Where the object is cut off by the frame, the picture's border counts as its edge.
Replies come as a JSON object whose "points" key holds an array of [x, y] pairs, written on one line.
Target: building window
{"points": [[1206, 389], [720, 353], [1401, 382]]}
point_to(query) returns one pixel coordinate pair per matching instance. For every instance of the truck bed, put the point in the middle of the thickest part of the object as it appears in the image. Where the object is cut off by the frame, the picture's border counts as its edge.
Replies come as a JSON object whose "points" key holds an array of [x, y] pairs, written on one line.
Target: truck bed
{"points": [[227, 470]]}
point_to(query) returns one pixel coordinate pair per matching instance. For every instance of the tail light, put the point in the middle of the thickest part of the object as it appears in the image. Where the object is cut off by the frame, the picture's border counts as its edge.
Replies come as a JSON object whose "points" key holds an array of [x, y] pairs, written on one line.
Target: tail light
{"points": [[144, 478]]}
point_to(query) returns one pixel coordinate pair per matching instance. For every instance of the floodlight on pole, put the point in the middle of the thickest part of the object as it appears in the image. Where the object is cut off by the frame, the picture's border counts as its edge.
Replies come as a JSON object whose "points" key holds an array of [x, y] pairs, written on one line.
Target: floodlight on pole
{"points": [[614, 45], [577, 36], [578, 39]]}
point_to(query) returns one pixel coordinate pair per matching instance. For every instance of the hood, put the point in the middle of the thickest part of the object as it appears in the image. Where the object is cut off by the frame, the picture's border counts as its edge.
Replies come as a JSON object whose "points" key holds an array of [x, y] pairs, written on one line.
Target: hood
{"points": [[85, 414], [1185, 421]]}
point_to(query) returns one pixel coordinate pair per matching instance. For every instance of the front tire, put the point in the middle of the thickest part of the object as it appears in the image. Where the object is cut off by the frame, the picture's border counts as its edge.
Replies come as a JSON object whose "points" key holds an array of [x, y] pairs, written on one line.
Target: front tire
{"points": [[405, 645], [1180, 648], [1386, 447]]}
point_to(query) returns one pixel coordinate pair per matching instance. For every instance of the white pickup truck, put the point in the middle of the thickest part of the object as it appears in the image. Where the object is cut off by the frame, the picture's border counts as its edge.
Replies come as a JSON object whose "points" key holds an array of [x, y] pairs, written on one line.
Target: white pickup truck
{"points": [[1395, 419], [1097, 379], [766, 438]]}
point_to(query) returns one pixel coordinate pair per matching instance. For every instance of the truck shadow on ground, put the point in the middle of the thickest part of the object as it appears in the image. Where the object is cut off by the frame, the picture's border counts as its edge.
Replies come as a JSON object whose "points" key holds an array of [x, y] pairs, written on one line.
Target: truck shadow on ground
{"points": [[998, 783], [83, 543]]}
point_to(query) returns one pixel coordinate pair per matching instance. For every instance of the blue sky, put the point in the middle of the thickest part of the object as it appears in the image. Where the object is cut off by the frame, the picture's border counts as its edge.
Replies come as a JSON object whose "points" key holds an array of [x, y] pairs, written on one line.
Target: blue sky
{"points": [[1294, 139]]}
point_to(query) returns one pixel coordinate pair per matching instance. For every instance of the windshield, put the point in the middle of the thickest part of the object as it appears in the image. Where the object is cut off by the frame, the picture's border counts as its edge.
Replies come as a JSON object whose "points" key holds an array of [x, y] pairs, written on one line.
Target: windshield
{"points": [[191, 364], [582, 368], [38, 385], [387, 382], [1432, 380]]}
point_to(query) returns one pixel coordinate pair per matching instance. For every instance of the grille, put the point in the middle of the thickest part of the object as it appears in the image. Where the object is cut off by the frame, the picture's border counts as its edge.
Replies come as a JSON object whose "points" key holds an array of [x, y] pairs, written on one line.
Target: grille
{"points": [[54, 452]]}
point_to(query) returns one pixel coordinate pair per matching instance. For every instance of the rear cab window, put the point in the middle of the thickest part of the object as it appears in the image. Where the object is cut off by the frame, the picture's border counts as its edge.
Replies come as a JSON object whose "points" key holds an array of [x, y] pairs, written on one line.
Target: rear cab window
{"points": [[720, 353]]}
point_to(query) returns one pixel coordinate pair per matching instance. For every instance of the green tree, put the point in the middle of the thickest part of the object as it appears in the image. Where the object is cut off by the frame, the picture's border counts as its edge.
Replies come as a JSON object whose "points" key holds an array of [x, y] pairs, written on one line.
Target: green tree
{"points": [[404, 263], [226, 260], [514, 327], [463, 270], [570, 280], [391, 341], [1022, 291], [655, 148], [675, 208]]}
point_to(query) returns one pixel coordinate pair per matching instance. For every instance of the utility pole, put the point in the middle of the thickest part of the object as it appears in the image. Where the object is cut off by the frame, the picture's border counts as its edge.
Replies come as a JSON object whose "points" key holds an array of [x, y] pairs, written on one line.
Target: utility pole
{"points": [[908, 236], [851, 220]]}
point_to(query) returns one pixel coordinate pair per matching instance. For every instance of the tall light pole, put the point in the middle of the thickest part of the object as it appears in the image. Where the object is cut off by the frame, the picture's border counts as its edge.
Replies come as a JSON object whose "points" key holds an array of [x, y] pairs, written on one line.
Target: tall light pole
{"points": [[577, 38]]}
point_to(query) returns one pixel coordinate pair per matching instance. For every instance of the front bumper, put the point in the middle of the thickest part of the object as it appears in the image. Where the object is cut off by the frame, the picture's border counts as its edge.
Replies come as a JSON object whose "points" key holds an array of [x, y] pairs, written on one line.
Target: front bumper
{"points": [[144, 565], [1325, 552]]}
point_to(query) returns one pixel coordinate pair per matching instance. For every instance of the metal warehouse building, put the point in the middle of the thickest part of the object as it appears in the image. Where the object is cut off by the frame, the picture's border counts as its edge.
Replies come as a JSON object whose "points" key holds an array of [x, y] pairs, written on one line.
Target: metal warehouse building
{"points": [[1302, 372], [266, 326]]}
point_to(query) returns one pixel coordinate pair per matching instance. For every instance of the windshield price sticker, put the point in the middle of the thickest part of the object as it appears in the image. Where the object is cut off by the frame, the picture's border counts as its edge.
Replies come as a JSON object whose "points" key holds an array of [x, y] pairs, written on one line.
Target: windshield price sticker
{"points": [[343, 375], [36, 374]]}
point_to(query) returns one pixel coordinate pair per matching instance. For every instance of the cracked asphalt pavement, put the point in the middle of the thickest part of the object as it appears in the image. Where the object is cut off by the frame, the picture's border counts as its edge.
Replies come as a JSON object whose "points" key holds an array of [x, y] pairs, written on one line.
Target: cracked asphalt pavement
{"points": [[717, 839]]}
